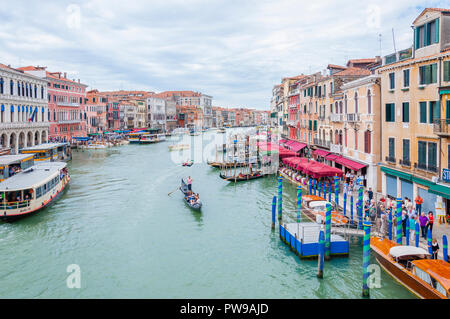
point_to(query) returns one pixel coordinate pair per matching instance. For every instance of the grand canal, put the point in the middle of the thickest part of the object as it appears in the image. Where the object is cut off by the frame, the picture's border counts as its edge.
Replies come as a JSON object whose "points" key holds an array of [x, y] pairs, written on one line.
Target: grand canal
{"points": [[130, 239]]}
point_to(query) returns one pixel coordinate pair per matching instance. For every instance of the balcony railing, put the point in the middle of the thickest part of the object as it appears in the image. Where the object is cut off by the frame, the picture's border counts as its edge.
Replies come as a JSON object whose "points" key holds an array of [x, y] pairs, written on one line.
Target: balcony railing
{"points": [[322, 143], [391, 159], [336, 117], [404, 162], [24, 125], [68, 104], [68, 121], [426, 167], [441, 127], [353, 117], [335, 148]]}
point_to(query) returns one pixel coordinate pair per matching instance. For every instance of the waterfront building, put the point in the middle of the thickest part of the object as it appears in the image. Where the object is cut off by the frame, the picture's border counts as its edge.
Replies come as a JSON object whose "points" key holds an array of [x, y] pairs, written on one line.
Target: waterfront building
{"points": [[414, 114], [171, 114], [66, 103], [190, 117], [276, 106], [95, 110], [156, 113], [193, 99], [24, 115], [285, 96]]}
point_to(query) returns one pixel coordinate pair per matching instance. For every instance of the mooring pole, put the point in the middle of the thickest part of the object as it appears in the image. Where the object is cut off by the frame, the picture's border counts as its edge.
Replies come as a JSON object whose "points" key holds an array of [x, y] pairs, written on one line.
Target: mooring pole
{"points": [[390, 224], [417, 233], [274, 211], [280, 197], [336, 193], [320, 188], [445, 247], [328, 232], [430, 244], [351, 208], [345, 199], [310, 186], [299, 202], [360, 207], [399, 221], [366, 257], [321, 253], [329, 191]]}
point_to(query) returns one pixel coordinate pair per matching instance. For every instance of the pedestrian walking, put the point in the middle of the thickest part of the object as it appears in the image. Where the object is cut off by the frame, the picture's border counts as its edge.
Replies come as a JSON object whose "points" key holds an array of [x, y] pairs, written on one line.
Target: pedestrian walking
{"points": [[430, 221], [435, 249], [423, 222], [419, 201]]}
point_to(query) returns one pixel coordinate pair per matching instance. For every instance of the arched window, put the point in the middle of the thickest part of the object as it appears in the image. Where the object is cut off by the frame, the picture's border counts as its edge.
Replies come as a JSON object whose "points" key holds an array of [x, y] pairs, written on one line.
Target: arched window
{"points": [[11, 87], [367, 141], [1, 85], [356, 102], [35, 91], [23, 89], [42, 92], [340, 107], [369, 102], [19, 92], [12, 113]]}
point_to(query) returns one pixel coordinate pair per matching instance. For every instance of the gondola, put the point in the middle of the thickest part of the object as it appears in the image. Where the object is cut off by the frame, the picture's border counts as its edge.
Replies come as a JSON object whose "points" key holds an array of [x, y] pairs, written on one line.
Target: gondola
{"points": [[227, 165], [246, 177], [184, 188]]}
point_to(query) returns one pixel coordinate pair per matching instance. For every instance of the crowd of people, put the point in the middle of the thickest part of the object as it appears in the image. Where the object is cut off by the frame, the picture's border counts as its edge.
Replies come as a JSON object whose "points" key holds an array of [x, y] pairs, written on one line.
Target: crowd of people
{"points": [[378, 213]]}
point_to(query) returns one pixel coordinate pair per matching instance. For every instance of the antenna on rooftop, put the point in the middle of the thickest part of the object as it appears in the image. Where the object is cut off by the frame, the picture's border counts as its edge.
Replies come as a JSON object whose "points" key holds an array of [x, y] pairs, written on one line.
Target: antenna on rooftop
{"points": [[379, 39], [393, 40]]}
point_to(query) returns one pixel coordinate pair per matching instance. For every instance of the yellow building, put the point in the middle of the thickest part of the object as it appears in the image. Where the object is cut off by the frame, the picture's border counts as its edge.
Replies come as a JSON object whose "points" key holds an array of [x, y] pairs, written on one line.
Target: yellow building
{"points": [[415, 145]]}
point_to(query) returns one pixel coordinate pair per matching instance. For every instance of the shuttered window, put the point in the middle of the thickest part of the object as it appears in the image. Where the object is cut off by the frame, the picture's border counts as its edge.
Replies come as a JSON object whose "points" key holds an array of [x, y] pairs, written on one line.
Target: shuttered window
{"points": [[423, 112], [406, 150], [434, 111], [428, 73], [367, 141], [432, 154], [392, 81], [422, 153], [406, 78], [447, 71], [390, 112], [391, 147], [447, 113], [405, 112]]}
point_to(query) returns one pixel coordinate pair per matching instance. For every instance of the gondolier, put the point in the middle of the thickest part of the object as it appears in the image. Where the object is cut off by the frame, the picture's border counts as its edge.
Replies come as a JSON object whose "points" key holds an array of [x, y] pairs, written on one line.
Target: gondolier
{"points": [[189, 183]]}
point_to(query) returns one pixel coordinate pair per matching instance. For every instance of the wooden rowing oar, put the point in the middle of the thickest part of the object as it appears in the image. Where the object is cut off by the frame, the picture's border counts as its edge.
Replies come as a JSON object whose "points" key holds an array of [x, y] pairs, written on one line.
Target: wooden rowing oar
{"points": [[174, 191]]}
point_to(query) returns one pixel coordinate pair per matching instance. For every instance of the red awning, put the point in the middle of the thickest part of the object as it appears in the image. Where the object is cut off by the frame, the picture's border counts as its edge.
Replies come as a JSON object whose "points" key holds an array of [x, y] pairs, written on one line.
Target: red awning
{"points": [[321, 152], [349, 163], [331, 157], [296, 146], [283, 141]]}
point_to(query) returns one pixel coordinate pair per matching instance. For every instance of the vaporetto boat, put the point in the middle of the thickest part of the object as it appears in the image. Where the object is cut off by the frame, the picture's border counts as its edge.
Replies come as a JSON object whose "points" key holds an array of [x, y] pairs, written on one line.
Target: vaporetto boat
{"points": [[27, 187]]}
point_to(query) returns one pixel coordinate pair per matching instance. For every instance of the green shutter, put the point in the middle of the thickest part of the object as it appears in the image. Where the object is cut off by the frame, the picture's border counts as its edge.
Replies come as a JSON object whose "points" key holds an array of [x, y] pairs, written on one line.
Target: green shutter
{"points": [[433, 68], [447, 113], [405, 112], [423, 112], [393, 112], [417, 38], [436, 31], [447, 71]]}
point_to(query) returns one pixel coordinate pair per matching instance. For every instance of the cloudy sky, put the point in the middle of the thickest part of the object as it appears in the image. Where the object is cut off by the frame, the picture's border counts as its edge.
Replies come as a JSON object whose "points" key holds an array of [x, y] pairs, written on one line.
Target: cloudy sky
{"points": [[233, 50]]}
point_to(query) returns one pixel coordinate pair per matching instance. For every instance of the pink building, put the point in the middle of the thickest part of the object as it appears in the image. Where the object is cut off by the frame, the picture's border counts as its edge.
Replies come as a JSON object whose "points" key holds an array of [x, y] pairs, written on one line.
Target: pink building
{"points": [[66, 100]]}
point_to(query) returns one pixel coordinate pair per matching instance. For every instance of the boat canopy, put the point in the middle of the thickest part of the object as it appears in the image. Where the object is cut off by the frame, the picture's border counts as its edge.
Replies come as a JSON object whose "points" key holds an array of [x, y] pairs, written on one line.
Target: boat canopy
{"points": [[44, 147], [81, 138], [402, 251]]}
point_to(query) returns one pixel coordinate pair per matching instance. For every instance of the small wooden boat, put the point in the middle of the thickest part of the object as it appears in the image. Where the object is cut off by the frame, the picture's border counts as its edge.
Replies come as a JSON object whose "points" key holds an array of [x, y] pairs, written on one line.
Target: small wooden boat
{"points": [[427, 278], [225, 165], [197, 205], [242, 177], [221, 130]]}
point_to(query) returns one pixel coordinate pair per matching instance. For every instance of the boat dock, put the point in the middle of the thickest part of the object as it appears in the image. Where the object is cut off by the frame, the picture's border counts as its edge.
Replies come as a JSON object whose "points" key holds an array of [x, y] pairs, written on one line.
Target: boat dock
{"points": [[303, 238]]}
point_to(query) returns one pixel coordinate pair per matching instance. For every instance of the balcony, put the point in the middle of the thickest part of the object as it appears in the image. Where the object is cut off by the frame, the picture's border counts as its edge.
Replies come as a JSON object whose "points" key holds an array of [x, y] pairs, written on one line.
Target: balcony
{"points": [[322, 143], [23, 125], [390, 159], [336, 117], [353, 117], [441, 127], [426, 167], [68, 104], [405, 162], [68, 121], [336, 148]]}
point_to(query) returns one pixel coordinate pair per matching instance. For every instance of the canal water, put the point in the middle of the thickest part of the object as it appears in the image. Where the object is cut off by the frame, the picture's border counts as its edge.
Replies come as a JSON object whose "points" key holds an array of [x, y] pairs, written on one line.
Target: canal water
{"points": [[130, 239]]}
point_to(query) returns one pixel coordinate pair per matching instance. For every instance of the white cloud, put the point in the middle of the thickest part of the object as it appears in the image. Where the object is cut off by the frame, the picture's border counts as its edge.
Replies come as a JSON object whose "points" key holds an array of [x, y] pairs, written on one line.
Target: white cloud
{"points": [[233, 50]]}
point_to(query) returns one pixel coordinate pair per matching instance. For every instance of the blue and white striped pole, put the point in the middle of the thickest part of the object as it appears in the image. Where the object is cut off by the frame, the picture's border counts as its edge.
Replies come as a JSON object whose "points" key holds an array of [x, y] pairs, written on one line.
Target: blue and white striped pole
{"points": [[324, 191], [329, 191], [315, 187], [366, 257], [328, 232], [280, 197], [321, 253], [320, 188], [299, 202], [360, 208], [336, 193], [429, 241], [274, 211], [445, 247], [399, 221], [417, 234]]}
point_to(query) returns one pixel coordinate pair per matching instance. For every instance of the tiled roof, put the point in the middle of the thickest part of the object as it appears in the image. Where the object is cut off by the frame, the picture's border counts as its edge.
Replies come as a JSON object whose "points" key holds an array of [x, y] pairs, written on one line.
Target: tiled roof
{"points": [[358, 61], [431, 9], [353, 71], [334, 66]]}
